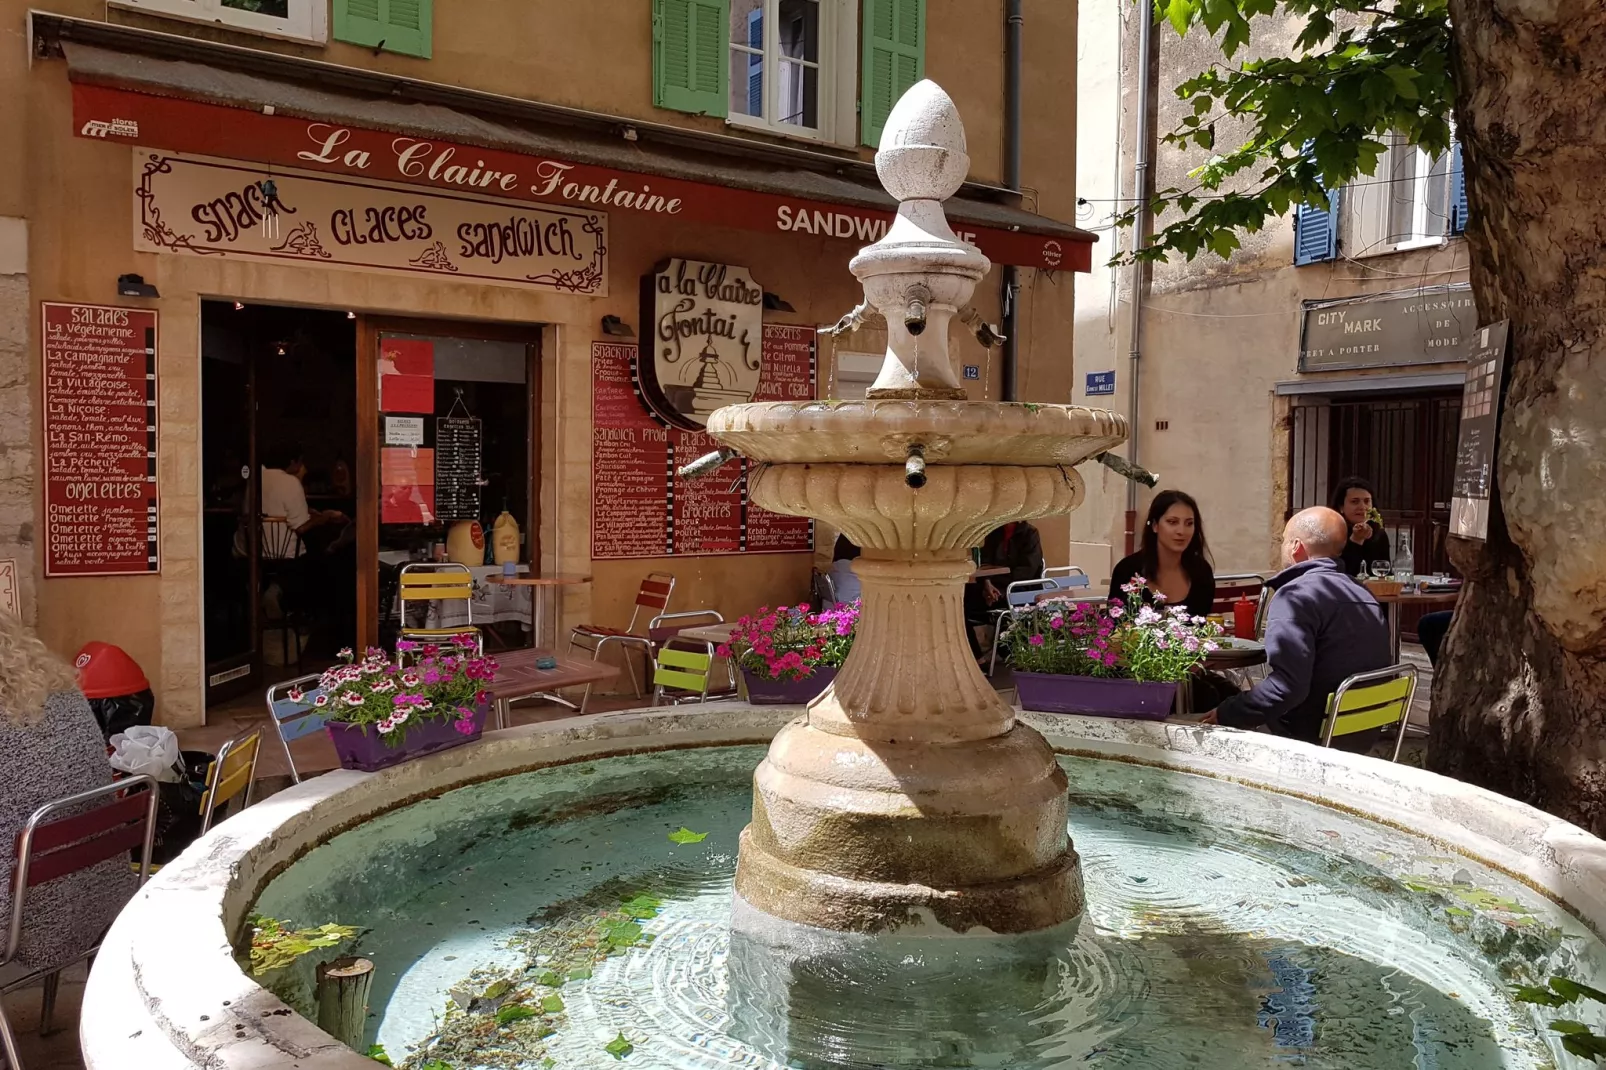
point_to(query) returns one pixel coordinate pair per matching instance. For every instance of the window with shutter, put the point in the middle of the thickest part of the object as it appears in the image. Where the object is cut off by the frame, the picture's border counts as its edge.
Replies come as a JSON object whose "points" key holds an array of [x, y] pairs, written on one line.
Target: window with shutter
{"points": [[1316, 232], [688, 49], [302, 20], [1458, 192], [401, 26], [894, 59]]}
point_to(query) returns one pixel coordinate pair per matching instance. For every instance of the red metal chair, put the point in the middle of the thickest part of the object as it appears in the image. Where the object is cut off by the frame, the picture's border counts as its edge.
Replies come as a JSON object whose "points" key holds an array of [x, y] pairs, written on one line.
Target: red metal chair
{"points": [[48, 850], [653, 596]]}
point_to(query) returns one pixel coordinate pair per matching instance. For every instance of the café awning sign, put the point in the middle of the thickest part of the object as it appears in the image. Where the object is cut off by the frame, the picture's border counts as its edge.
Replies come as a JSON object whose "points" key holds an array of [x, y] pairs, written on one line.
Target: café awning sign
{"points": [[199, 206], [702, 346], [1420, 326]]}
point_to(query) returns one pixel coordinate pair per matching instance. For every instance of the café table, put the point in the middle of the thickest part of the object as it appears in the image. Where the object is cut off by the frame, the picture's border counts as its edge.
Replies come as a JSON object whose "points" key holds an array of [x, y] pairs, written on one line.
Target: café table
{"points": [[718, 634], [544, 592], [1419, 598], [518, 677], [1231, 654]]}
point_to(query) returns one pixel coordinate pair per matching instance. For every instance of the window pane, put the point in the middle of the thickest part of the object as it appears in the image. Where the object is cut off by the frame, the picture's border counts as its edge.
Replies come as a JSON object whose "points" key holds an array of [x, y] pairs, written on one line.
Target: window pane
{"points": [[747, 67], [279, 9], [800, 94], [799, 25]]}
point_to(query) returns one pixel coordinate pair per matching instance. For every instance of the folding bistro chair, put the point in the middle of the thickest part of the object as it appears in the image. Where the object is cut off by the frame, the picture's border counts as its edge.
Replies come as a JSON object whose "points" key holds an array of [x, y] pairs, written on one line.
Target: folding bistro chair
{"points": [[1017, 595], [1067, 578], [231, 773], [282, 565], [296, 719], [438, 582], [680, 672], [667, 626], [653, 596], [1371, 700], [1232, 587], [120, 820]]}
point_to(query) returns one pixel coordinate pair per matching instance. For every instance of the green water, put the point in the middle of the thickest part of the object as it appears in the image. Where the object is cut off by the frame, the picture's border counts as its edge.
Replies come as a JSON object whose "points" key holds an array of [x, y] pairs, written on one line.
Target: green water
{"points": [[535, 920]]}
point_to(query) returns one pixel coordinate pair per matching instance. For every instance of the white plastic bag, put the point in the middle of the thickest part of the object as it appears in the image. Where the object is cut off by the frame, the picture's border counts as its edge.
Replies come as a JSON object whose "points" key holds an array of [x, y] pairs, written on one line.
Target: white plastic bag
{"points": [[147, 749]]}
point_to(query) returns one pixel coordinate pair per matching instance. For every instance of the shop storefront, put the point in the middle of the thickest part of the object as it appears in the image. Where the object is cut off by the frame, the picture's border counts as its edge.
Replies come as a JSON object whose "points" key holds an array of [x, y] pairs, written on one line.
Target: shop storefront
{"points": [[440, 314]]}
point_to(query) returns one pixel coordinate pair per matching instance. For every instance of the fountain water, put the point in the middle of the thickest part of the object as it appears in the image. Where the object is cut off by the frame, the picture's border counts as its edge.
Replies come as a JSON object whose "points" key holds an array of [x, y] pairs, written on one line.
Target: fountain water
{"points": [[909, 795]]}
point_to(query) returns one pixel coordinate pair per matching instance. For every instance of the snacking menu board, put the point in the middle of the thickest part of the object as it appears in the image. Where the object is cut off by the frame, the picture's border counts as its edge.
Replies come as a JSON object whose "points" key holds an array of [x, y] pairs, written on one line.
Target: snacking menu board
{"points": [[99, 440], [641, 508]]}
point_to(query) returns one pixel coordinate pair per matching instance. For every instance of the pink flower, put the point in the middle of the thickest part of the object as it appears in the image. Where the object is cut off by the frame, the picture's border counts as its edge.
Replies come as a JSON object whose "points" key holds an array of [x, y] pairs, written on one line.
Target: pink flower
{"points": [[1056, 622], [1036, 640], [405, 645], [1116, 610], [464, 726]]}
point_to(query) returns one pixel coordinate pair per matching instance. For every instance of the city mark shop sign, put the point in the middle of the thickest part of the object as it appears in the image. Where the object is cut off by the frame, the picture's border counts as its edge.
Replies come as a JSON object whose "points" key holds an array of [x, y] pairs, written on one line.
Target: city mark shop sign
{"points": [[177, 125], [206, 207], [1424, 326]]}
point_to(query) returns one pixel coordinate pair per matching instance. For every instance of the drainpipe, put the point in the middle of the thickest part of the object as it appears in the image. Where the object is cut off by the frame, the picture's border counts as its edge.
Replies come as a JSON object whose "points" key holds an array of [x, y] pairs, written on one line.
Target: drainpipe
{"points": [[1013, 21], [1142, 229]]}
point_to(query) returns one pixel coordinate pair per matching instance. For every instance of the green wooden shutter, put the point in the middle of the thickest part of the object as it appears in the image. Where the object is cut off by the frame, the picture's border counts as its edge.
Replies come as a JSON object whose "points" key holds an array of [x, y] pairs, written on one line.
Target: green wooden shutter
{"points": [[894, 59], [399, 25], [691, 55]]}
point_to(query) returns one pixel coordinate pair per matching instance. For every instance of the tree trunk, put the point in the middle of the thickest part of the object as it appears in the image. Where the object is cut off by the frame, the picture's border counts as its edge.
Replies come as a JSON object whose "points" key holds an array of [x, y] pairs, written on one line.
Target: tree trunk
{"points": [[1520, 699]]}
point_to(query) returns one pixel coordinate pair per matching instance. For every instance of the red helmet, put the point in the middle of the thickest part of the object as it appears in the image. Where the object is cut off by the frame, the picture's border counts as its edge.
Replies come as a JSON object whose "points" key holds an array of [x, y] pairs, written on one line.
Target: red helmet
{"points": [[106, 671]]}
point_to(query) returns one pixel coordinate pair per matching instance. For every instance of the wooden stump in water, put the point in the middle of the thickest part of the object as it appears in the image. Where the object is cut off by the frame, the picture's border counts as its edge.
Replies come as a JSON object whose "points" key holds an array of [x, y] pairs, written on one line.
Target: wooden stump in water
{"points": [[343, 999]]}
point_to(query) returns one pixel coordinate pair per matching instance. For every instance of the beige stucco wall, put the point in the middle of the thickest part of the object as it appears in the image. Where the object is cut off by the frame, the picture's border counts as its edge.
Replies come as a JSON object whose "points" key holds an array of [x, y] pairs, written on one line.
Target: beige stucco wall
{"points": [[76, 195], [1218, 335]]}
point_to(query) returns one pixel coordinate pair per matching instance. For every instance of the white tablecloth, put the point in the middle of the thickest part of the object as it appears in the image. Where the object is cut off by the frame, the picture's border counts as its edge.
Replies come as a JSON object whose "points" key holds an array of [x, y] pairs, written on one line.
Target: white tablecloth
{"points": [[493, 603]]}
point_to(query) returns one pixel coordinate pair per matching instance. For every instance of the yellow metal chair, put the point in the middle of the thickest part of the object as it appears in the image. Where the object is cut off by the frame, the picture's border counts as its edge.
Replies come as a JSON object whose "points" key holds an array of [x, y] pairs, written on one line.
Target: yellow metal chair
{"points": [[231, 774], [681, 675], [429, 582], [1371, 700]]}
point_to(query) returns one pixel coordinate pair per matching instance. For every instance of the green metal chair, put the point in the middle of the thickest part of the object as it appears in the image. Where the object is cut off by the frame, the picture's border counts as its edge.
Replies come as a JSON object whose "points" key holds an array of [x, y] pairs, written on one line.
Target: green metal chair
{"points": [[681, 675], [1371, 700]]}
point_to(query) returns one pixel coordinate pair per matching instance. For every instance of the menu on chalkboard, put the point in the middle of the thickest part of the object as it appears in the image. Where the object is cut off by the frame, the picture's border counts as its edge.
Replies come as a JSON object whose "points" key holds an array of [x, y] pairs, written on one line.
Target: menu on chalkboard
{"points": [[457, 468], [99, 440], [1480, 427], [641, 507]]}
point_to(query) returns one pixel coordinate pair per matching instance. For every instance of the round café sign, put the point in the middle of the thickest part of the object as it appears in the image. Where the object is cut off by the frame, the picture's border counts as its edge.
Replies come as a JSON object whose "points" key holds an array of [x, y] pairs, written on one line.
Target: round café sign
{"points": [[701, 349]]}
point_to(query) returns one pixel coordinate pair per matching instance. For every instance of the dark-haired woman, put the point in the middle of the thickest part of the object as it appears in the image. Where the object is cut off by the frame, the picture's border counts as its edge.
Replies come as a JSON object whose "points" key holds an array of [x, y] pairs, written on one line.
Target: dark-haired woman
{"points": [[1174, 558], [1367, 542]]}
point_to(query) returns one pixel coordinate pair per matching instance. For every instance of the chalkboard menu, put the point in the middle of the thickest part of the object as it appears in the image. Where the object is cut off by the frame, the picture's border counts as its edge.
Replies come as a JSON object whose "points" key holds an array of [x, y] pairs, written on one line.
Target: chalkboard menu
{"points": [[1480, 427], [99, 440], [457, 468], [641, 508]]}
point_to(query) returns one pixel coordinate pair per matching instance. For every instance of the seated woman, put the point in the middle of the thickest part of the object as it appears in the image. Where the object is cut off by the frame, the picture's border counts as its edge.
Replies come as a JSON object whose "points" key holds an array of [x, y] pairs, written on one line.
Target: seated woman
{"points": [[844, 581], [50, 747], [1367, 541], [1174, 558]]}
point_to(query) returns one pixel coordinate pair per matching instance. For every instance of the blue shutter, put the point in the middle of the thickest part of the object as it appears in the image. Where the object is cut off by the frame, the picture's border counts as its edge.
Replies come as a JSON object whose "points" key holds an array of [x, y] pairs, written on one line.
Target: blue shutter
{"points": [[755, 64], [1458, 191], [1316, 232]]}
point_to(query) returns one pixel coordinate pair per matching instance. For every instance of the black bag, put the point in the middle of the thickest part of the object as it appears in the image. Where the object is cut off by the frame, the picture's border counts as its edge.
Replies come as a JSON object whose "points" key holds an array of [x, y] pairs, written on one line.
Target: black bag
{"points": [[119, 713], [178, 808]]}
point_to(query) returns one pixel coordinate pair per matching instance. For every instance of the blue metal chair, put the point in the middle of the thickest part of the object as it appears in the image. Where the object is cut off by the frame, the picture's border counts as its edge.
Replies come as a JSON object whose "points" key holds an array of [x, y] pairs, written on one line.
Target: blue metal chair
{"points": [[1067, 578], [295, 719], [1017, 595]]}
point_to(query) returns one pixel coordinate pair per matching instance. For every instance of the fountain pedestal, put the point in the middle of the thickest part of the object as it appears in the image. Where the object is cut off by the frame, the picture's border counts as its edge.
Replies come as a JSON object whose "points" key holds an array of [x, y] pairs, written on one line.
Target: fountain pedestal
{"points": [[908, 797]]}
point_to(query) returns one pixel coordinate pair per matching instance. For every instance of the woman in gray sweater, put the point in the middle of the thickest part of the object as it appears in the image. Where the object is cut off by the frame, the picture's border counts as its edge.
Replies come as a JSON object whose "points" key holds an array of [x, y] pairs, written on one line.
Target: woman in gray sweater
{"points": [[50, 747]]}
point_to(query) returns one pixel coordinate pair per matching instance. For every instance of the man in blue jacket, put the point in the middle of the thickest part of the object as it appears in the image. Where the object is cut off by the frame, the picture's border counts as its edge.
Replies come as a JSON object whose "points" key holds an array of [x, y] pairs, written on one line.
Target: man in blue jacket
{"points": [[1321, 628]]}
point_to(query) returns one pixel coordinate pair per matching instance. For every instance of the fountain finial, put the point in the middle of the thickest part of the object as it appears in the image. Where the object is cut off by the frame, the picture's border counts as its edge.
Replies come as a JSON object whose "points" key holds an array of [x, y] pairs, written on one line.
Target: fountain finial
{"points": [[922, 152]]}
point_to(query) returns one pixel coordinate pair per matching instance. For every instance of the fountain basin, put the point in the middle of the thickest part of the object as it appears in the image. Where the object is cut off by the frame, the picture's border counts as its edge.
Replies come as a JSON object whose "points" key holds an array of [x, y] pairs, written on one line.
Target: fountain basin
{"points": [[166, 992]]}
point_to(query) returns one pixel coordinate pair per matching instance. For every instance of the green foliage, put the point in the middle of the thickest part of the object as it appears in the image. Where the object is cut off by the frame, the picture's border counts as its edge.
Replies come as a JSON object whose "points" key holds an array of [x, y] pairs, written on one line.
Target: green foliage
{"points": [[513, 1012], [684, 835], [642, 906], [499, 989], [552, 1004], [377, 1054], [274, 947], [1316, 119], [436, 1064], [619, 1047], [1576, 1037]]}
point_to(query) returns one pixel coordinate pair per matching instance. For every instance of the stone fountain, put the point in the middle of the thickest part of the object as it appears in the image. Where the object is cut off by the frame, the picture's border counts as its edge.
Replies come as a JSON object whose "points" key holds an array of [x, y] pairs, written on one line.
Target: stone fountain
{"points": [[908, 797]]}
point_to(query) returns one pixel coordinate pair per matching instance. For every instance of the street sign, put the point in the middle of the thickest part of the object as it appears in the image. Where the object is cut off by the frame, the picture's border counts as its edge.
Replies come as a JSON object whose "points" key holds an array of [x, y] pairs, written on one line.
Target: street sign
{"points": [[972, 371], [1100, 383]]}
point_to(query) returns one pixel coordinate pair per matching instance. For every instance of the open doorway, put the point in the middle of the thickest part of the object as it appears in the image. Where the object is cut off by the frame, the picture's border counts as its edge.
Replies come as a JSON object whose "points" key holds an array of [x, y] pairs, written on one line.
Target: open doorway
{"points": [[279, 412]]}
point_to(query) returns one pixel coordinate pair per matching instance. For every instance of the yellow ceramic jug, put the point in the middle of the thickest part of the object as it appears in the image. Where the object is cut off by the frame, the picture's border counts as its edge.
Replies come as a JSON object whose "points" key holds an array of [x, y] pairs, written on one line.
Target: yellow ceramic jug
{"points": [[465, 543], [505, 539]]}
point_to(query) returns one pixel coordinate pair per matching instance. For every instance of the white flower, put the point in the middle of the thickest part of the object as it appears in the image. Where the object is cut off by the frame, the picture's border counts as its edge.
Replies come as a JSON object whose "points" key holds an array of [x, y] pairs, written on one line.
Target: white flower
{"points": [[351, 698], [321, 701], [1147, 615], [1210, 648], [399, 717]]}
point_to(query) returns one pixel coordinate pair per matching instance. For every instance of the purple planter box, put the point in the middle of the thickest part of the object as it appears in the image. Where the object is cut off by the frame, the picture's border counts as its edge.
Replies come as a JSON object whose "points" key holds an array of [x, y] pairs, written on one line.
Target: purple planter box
{"points": [[1087, 695], [360, 746], [761, 692]]}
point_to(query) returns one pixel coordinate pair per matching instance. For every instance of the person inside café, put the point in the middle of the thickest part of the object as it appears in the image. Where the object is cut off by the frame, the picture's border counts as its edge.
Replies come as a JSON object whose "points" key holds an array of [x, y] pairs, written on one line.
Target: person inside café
{"points": [[845, 586], [1322, 627], [321, 543], [1174, 557], [1016, 546], [1366, 542], [51, 747], [288, 525]]}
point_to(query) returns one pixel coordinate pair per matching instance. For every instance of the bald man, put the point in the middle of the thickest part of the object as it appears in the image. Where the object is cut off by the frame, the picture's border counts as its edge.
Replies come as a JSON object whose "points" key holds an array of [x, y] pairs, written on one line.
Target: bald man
{"points": [[1322, 626]]}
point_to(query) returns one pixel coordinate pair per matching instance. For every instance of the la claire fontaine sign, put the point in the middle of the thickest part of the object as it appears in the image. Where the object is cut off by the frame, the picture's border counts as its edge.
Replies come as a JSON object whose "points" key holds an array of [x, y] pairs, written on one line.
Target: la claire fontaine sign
{"points": [[206, 207], [702, 347]]}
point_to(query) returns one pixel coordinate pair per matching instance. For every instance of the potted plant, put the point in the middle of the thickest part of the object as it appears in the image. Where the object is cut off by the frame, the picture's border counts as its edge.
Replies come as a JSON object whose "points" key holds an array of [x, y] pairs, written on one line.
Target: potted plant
{"points": [[1103, 660], [382, 711], [788, 655]]}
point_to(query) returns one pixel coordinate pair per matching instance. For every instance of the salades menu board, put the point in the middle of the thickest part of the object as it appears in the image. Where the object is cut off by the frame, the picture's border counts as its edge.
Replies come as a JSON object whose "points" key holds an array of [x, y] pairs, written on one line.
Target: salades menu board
{"points": [[641, 508], [99, 440]]}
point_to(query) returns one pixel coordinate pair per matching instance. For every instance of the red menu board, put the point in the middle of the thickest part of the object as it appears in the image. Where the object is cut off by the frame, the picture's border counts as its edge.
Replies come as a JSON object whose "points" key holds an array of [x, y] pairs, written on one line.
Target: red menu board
{"points": [[641, 508], [100, 440]]}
